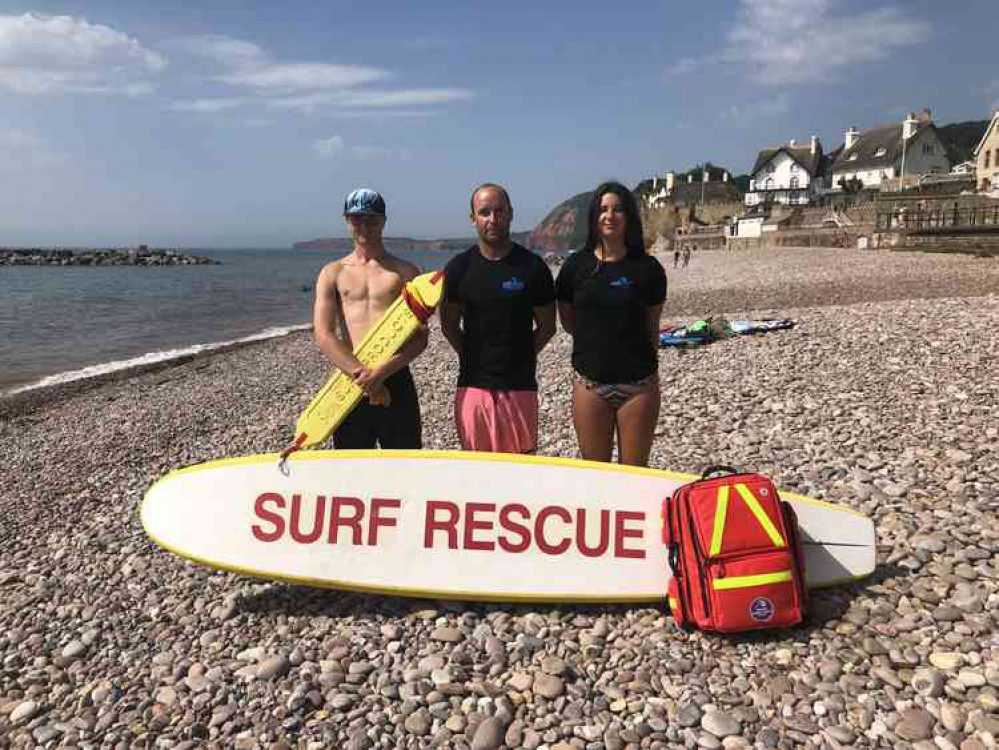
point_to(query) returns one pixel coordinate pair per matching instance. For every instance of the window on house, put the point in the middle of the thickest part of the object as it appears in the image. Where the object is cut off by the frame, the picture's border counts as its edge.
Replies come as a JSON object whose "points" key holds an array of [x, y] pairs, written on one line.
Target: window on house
{"points": [[987, 155], [794, 183], [928, 148], [770, 168], [881, 151], [769, 185], [997, 157], [853, 157], [794, 167]]}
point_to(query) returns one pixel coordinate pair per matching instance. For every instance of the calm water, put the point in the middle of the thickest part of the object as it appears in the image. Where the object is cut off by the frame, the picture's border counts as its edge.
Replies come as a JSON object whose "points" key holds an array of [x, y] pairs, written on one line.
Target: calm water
{"points": [[55, 322]]}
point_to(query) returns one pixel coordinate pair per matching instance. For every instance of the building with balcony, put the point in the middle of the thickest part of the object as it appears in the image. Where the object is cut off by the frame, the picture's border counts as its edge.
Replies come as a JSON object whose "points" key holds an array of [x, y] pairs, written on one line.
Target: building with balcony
{"points": [[790, 175]]}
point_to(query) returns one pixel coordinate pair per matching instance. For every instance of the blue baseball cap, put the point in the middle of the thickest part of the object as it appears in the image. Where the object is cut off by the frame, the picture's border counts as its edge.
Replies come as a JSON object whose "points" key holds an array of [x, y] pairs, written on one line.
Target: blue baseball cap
{"points": [[364, 202]]}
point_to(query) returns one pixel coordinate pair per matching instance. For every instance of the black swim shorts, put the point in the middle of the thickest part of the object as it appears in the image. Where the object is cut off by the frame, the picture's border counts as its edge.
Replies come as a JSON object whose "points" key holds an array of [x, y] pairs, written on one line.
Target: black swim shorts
{"points": [[394, 426]]}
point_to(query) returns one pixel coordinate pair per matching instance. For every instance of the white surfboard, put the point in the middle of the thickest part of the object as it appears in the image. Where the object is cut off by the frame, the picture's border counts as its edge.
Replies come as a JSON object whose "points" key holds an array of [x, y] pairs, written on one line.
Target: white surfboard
{"points": [[455, 525]]}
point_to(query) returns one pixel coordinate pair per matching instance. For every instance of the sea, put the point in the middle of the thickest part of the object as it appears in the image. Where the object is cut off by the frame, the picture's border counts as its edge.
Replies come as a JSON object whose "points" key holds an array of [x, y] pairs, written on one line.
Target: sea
{"points": [[59, 324]]}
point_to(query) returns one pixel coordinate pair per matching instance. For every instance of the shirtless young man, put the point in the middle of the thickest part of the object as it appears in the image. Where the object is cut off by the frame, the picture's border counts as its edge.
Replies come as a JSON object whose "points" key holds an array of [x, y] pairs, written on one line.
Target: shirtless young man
{"points": [[352, 294]]}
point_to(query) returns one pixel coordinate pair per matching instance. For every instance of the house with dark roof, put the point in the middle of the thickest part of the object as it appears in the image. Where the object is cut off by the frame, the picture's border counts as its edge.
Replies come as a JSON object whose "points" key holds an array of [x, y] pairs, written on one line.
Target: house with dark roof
{"points": [[790, 175], [907, 149], [987, 157]]}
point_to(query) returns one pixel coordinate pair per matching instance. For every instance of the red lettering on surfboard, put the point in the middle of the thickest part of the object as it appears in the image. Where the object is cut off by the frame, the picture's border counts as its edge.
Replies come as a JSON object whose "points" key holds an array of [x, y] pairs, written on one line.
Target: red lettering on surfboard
{"points": [[621, 533], [377, 520], [539, 530], [318, 514], [307, 516], [508, 524], [554, 530], [433, 524], [337, 519], [265, 515], [472, 525], [601, 547]]}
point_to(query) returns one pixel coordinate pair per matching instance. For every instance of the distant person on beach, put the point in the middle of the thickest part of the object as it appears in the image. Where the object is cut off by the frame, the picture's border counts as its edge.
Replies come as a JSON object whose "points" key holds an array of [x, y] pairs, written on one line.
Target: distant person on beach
{"points": [[352, 294], [498, 313], [686, 256], [610, 296], [676, 256]]}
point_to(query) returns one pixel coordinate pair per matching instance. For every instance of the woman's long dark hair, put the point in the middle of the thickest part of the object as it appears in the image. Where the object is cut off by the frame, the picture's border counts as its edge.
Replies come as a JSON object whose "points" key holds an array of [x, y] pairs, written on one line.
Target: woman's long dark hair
{"points": [[634, 238]]}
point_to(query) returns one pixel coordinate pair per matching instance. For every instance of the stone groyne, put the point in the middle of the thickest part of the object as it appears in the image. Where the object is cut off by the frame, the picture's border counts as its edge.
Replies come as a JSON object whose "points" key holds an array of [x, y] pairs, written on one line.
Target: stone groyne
{"points": [[38, 257]]}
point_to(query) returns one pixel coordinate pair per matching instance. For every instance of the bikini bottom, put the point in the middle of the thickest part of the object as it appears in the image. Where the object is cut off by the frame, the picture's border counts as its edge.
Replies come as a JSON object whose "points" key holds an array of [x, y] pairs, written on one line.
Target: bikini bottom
{"points": [[618, 394]]}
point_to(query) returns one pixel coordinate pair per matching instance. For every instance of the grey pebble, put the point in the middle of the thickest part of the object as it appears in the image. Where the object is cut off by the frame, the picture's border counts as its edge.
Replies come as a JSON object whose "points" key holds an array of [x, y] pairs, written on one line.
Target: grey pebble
{"points": [[275, 666], [720, 724]]}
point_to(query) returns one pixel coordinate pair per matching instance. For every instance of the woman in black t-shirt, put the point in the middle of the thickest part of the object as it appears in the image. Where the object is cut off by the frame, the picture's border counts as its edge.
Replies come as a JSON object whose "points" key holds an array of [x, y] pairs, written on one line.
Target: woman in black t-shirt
{"points": [[610, 296]]}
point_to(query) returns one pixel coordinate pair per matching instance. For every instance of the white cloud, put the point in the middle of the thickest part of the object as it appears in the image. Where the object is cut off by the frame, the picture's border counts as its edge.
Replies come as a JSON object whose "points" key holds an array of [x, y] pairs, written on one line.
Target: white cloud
{"points": [[336, 89], [19, 148], [335, 146], [328, 148], [250, 66], [372, 99], [304, 77], [225, 50], [744, 114], [800, 41], [56, 54], [206, 105], [381, 114]]}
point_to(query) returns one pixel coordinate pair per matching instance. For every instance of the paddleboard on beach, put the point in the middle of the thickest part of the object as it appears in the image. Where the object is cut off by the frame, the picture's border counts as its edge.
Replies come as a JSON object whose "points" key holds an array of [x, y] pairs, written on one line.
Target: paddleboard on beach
{"points": [[459, 525], [338, 397]]}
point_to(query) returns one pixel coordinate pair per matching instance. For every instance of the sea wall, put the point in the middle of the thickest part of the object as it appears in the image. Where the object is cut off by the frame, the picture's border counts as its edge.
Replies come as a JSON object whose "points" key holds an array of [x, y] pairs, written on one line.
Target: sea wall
{"points": [[38, 257]]}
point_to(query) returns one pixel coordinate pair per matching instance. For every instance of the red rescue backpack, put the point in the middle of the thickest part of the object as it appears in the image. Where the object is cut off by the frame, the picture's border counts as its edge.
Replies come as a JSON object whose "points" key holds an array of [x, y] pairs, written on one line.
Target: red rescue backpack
{"points": [[735, 553]]}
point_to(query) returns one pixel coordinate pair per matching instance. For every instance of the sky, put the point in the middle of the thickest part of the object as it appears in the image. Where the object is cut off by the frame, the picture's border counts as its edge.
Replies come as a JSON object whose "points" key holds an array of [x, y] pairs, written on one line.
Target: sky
{"points": [[238, 123]]}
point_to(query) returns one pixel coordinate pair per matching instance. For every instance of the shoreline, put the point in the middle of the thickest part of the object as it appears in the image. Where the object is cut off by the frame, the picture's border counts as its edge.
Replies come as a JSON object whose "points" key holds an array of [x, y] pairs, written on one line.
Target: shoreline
{"points": [[747, 298], [19, 399]]}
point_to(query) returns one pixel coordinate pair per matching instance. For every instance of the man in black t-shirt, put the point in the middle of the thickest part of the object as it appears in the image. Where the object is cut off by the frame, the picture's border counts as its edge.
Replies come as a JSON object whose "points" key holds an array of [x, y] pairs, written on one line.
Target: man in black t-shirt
{"points": [[498, 313]]}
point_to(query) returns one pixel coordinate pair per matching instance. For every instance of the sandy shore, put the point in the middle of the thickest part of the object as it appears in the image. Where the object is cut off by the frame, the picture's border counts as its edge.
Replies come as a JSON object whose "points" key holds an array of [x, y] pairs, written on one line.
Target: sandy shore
{"points": [[883, 397]]}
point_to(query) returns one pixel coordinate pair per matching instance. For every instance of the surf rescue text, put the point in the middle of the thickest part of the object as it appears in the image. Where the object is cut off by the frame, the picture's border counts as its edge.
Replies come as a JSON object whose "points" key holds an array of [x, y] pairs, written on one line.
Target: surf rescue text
{"points": [[509, 527]]}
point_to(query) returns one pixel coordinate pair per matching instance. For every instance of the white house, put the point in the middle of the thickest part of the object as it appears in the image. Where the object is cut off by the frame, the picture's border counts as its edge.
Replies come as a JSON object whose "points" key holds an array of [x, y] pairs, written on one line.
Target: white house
{"points": [[661, 190], [790, 174], [905, 149], [987, 157]]}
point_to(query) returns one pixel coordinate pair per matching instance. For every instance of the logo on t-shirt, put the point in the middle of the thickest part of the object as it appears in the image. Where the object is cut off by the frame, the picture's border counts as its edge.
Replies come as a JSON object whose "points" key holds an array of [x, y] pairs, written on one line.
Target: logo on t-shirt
{"points": [[622, 282], [513, 285]]}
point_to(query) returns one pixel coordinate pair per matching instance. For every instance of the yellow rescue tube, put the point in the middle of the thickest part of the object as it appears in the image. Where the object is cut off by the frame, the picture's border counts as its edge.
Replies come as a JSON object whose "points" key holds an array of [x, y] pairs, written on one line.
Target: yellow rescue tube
{"points": [[336, 399]]}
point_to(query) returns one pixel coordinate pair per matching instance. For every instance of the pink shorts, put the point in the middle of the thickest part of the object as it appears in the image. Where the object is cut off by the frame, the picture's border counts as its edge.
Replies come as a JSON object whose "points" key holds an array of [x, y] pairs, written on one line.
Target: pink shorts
{"points": [[497, 421]]}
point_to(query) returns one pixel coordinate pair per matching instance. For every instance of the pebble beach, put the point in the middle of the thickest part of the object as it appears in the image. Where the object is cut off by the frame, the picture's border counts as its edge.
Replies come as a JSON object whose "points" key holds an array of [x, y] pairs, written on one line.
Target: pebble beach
{"points": [[884, 397]]}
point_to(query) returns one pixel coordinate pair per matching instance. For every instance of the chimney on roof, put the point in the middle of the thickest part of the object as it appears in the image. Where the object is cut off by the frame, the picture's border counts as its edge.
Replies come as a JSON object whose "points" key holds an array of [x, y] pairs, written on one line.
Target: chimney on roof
{"points": [[670, 181], [852, 135], [815, 144], [909, 126]]}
